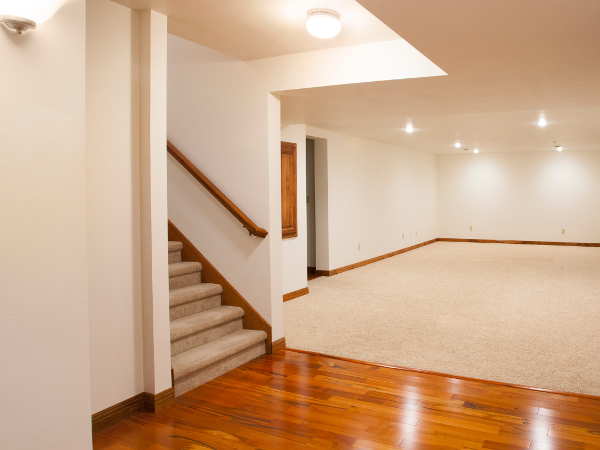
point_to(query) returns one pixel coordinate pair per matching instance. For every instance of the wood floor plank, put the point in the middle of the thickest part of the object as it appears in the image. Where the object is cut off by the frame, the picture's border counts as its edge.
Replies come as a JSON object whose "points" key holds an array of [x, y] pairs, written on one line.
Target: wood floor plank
{"points": [[294, 400]]}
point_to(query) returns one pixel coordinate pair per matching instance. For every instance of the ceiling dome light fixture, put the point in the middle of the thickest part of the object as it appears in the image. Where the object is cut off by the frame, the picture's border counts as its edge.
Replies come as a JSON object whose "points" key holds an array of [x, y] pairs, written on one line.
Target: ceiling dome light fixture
{"points": [[559, 148], [475, 151], [323, 23], [457, 145], [409, 128], [542, 122]]}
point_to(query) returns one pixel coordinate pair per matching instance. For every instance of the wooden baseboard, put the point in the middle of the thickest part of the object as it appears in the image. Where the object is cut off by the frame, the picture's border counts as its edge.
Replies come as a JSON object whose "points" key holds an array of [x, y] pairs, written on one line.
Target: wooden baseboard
{"points": [[114, 414], [138, 403], [328, 273], [324, 273], [156, 402], [279, 344], [448, 375], [295, 294], [252, 320], [311, 270], [493, 241]]}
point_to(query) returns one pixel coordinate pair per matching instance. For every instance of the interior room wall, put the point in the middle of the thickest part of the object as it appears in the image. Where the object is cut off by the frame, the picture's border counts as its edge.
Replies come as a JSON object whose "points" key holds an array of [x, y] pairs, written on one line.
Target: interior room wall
{"points": [[311, 251], [321, 204], [219, 117], [294, 260], [44, 321], [376, 193], [113, 202], [520, 196]]}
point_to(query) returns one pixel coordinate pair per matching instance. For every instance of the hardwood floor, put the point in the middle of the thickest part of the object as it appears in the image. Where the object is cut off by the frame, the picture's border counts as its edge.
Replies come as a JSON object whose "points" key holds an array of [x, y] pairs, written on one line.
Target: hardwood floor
{"points": [[301, 401]]}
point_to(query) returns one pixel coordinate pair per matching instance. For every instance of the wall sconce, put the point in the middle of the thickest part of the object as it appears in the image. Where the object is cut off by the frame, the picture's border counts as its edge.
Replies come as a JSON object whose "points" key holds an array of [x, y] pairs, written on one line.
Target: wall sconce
{"points": [[19, 24], [23, 15]]}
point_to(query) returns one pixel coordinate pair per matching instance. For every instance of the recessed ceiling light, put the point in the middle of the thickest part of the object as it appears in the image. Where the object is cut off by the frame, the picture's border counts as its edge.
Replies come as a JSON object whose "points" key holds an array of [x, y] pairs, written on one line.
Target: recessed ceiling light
{"points": [[409, 128], [475, 151], [457, 145], [542, 122], [559, 148], [323, 23]]}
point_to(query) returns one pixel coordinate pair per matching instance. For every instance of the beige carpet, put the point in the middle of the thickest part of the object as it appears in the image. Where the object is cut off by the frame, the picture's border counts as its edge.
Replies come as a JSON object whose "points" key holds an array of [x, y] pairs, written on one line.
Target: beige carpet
{"points": [[520, 314]]}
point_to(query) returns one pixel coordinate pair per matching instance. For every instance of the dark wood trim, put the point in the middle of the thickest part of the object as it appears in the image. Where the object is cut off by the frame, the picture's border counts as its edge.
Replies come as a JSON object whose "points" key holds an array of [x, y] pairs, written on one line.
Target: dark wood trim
{"points": [[114, 414], [252, 319], [289, 190], [138, 403], [222, 198], [447, 375], [324, 273], [311, 270], [328, 273], [295, 294], [278, 345], [155, 402], [492, 241]]}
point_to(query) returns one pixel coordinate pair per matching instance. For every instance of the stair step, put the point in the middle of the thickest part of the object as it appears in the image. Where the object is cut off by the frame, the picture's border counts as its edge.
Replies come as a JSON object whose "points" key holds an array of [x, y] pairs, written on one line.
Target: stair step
{"points": [[202, 328], [193, 293], [175, 246], [204, 356], [183, 268], [204, 320], [175, 257]]}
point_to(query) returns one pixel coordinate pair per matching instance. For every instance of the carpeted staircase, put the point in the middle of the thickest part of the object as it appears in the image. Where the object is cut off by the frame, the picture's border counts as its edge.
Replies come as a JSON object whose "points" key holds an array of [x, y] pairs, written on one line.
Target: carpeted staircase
{"points": [[207, 339]]}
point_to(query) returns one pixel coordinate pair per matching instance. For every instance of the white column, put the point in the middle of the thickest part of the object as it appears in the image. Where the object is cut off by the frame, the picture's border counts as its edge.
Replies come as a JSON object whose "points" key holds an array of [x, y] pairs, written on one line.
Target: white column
{"points": [[153, 202], [275, 240]]}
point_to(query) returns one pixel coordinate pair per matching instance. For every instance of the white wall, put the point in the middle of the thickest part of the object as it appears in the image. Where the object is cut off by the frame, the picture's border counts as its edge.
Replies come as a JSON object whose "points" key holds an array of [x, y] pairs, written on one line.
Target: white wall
{"points": [[520, 196], [44, 323], [113, 202], [376, 192], [221, 116], [153, 202], [321, 204], [311, 253], [294, 256]]}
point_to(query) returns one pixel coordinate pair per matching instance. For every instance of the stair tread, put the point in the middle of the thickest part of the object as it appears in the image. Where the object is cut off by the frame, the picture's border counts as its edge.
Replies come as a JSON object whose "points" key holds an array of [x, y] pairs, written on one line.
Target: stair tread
{"points": [[212, 352], [204, 320], [183, 268], [193, 293], [175, 246]]}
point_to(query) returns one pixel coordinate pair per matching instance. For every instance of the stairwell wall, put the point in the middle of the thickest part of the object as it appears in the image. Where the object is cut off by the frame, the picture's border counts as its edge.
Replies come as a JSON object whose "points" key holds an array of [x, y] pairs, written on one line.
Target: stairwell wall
{"points": [[223, 119]]}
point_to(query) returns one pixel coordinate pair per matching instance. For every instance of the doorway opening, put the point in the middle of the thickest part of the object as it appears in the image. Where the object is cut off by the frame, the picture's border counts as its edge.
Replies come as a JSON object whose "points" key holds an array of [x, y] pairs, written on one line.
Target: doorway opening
{"points": [[310, 211]]}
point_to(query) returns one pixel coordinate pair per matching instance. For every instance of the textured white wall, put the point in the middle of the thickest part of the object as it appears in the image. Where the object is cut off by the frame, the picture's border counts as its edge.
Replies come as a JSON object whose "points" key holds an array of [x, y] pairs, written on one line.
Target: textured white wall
{"points": [[294, 254], [376, 192], [520, 196], [113, 202], [219, 117], [44, 322]]}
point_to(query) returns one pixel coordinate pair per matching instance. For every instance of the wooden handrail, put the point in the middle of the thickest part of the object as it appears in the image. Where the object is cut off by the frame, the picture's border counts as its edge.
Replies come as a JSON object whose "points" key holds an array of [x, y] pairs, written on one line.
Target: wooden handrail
{"points": [[222, 198]]}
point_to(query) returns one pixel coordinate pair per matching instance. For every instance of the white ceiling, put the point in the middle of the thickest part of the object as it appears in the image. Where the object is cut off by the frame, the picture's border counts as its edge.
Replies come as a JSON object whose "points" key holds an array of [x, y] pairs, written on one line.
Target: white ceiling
{"points": [[253, 29], [506, 62]]}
